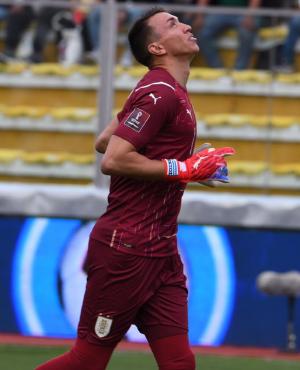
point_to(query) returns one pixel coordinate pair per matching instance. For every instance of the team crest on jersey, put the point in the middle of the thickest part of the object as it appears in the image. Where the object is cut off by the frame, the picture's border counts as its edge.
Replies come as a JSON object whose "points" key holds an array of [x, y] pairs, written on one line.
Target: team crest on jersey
{"points": [[103, 326], [137, 119]]}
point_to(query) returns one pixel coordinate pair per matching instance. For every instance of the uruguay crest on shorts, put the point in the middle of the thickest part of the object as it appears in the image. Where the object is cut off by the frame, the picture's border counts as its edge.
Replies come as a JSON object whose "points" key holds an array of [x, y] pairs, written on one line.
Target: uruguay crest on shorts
{"points": [[102, 326]]}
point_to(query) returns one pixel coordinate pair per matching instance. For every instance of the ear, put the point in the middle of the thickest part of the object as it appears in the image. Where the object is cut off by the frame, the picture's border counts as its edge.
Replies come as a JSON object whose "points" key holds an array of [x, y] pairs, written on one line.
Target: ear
{"points": [[156, 48]]}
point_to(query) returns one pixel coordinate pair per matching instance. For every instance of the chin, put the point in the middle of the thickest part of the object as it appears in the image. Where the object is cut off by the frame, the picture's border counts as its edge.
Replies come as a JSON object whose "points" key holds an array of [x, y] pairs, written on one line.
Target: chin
{"points": [[196, 48]]}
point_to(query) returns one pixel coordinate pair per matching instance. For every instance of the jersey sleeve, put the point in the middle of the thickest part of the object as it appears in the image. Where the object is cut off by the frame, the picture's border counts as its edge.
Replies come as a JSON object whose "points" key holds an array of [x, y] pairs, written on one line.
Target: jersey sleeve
{"points": [[145, 113]]}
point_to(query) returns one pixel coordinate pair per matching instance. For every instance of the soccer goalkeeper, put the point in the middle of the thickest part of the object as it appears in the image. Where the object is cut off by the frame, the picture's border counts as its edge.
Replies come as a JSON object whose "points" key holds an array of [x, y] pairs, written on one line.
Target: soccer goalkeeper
{"points": [[135, 274]]}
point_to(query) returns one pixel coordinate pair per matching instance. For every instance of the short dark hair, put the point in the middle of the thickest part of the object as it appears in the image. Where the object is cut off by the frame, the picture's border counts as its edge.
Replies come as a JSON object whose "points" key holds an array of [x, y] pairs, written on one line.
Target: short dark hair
{"points": [[140, 35]]}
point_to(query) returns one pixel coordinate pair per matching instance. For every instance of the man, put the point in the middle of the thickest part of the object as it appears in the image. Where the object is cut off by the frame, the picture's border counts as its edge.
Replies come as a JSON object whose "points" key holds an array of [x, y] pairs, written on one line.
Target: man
{"points": [[18, 19], [288, 51], [125, 18], [209, 28], [135, 274], [44, 24]]}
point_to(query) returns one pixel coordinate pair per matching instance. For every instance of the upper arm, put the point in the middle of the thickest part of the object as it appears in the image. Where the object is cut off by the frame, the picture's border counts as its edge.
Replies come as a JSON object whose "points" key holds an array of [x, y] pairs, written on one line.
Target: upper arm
{"points": [[149, 111], [139, 122], [117, 150], [121, 158]]}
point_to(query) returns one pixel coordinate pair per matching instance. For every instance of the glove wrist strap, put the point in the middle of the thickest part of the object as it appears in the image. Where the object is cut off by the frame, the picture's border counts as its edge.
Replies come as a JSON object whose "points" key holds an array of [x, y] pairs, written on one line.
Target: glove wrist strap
{"points": [[171, 167], [175, 170]]}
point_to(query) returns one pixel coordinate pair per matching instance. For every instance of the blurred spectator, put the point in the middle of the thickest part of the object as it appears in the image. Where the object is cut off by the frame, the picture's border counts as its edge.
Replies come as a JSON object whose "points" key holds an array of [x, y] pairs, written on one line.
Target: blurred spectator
{"points": [[44, 24], [3, 12], [125, 19], [269, 56], [93, 23], [128, 18], [185, 17], [66, 23], [288, 51], [212, 25], [19, 18], [46, 19]]}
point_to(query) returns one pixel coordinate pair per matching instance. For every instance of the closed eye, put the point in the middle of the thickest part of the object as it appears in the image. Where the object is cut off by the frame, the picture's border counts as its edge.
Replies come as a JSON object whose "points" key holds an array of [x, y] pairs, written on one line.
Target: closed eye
{"points": [[173, 21]]}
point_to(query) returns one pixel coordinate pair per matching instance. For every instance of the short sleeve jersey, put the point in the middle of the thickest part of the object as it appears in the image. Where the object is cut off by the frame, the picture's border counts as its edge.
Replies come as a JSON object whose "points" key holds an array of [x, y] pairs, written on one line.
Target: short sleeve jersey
{"points": [[159, 121]]}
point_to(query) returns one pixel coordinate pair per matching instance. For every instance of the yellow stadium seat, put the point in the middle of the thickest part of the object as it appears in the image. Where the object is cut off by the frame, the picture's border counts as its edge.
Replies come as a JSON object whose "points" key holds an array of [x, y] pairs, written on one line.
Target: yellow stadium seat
{"points": [[250, 168], [227, 119], [286, 169], [277, 32], [87, 70], [119, 70], [136, 71], [252, 76], [8, 155], [52, 69], [46, 158], [83, 114], [284, 122], [265, 33], [74, 114], [207, 73], [81, 159], [15, 111], [260, 121], [246, 119], [26, 111], [15, 68], [62, 113], [292, 78], [216, 119]]}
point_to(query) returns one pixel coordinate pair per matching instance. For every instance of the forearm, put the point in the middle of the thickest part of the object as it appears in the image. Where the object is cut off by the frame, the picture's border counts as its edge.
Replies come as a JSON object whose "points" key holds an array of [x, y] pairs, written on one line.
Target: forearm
{"points": [[122, 159], [132, 164]]}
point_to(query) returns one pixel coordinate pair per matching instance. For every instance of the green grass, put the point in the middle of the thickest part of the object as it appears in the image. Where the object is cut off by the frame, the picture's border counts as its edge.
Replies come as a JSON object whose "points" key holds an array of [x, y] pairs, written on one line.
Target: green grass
{"points": [[26, 358]]}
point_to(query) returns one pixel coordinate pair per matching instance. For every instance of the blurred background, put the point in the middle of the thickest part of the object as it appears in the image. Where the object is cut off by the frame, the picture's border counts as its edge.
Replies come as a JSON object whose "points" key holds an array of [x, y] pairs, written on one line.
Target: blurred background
{"points": [[65, 70]]}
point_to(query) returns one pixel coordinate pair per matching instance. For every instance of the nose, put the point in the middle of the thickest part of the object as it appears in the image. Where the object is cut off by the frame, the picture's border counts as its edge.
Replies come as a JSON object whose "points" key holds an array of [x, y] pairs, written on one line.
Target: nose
{"points": [[187, 28]]}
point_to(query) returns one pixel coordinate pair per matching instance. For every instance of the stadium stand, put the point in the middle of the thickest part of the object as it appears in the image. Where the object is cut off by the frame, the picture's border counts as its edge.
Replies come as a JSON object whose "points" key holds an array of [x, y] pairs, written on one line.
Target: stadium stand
{"points": [[48, 111]]}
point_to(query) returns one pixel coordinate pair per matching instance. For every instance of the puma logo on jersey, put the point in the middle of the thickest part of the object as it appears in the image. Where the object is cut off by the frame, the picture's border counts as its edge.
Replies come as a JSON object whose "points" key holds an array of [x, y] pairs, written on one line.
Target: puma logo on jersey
{"points": [[154, 97], [189, 112]]}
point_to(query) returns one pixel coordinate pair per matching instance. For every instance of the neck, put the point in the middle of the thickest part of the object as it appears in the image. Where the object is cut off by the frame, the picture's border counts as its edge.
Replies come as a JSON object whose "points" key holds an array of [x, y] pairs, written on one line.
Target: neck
{"points": [[179, 69]]}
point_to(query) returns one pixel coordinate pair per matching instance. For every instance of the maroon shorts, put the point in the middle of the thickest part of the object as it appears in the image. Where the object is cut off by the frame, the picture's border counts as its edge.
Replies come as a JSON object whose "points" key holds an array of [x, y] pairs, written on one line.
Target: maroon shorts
{"points": [[124, 289]]}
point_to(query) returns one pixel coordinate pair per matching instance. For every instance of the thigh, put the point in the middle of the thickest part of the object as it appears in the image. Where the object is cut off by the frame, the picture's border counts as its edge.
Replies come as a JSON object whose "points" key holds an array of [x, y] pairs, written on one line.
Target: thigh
{"points": [[166, 312], [173, 353], [117, 286]]}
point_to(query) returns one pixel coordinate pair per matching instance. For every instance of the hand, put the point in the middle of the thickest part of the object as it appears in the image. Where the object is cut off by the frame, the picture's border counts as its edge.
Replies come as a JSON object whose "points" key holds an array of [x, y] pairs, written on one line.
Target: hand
{"points": [[202, 166], [221, 175]]}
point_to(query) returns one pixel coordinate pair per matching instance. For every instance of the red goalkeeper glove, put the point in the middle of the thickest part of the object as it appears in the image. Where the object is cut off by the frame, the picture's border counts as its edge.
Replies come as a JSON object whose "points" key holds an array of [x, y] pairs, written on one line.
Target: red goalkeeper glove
{"points": [[200, 166], [221, 175]]}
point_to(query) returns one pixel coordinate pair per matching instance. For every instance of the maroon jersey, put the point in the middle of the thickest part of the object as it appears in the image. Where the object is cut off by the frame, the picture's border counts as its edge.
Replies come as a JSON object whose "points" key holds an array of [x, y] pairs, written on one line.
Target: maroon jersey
{"points": [[141, 217]]}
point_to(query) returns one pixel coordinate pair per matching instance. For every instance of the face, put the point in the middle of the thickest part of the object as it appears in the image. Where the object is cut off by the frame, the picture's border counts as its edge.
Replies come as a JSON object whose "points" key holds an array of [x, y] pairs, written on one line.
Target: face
{"points": [[171, 36]]}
